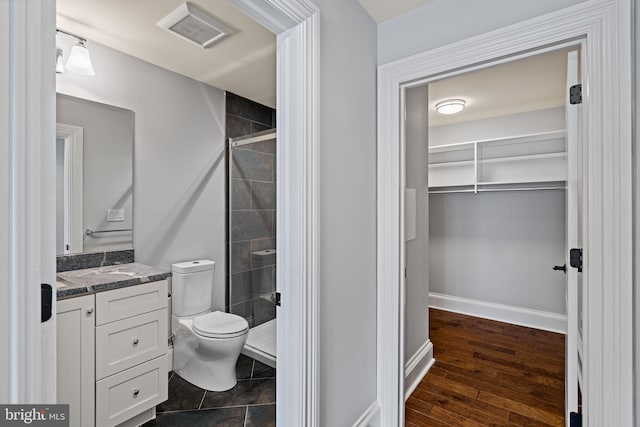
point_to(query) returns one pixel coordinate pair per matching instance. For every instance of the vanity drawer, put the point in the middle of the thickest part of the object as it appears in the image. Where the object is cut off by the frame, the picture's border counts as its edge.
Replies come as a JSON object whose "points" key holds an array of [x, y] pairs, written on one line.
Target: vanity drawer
{"points": [[129, 342], [126, 394], [130, 301]]}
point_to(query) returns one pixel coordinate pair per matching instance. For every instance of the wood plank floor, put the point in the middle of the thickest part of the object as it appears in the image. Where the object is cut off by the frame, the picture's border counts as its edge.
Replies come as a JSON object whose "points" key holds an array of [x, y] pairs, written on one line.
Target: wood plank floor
{"points": [[489, 373]]}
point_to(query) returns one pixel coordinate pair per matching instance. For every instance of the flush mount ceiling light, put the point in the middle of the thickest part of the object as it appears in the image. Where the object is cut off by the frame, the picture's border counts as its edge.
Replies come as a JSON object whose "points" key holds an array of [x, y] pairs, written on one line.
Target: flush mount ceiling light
{"points": [[195, 25], [451, 106], [79, 59]]}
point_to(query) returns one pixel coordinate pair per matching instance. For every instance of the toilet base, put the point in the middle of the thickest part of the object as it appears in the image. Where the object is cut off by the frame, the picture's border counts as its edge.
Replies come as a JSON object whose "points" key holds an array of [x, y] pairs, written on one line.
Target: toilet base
{"points": [[209, 363], [207, 378]]}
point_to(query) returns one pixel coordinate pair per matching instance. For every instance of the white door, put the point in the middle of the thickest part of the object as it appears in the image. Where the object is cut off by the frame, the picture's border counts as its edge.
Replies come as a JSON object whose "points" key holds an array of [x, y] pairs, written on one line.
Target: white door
{"points": [[573, 241]]}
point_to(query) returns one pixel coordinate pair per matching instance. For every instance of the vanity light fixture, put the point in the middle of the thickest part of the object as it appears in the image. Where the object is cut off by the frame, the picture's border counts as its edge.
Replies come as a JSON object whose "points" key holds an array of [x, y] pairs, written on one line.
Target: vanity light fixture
{"points": [[451, 106], [59, 61], [79, 59]]}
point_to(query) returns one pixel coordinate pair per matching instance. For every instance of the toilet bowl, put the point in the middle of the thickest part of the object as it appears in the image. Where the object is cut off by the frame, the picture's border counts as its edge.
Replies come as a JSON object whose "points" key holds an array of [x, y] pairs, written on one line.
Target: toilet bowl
{"points": [[206, 349], [206, 344]]}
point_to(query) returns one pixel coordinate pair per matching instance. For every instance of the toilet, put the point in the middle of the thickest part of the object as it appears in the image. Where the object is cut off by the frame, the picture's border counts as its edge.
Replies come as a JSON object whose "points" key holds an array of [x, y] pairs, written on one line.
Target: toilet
{"points": [[206, 343]]}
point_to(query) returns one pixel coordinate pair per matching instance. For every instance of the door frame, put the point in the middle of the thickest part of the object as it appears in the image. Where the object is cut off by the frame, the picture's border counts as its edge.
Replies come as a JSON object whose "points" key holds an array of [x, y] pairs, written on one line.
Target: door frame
{"points": [[29, 38], [74, 185], [297, 26], [605, 28]]}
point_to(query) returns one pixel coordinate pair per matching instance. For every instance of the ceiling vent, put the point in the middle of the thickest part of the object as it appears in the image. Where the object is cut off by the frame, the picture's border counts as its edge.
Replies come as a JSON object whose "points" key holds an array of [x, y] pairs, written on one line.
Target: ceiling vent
{"points": [[194, 24]]}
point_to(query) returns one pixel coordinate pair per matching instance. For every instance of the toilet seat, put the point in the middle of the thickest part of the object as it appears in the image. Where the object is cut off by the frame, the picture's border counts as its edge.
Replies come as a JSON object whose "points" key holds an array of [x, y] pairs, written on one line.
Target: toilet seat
{"points": [[219, 324]]}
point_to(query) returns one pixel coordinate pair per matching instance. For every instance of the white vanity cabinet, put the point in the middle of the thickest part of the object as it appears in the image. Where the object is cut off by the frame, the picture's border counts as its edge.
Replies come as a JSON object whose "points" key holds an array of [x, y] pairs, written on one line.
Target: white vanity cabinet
{"points": [[125, 347], [75, 358], [131, 353]]}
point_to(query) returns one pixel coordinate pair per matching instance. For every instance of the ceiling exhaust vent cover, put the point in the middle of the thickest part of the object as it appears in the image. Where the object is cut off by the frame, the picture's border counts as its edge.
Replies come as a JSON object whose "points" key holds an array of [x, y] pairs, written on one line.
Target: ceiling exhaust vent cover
{"points": [[194, 24]]}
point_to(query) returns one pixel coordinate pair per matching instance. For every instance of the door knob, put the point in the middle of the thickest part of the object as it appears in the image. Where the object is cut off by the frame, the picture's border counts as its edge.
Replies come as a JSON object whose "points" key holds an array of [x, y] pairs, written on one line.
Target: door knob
{"points": [[562, 268]]}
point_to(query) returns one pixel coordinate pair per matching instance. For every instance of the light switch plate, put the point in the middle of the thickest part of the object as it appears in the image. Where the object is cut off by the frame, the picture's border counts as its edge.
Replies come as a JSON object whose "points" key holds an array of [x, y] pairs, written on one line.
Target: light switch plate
{"points": [[115, 215]]}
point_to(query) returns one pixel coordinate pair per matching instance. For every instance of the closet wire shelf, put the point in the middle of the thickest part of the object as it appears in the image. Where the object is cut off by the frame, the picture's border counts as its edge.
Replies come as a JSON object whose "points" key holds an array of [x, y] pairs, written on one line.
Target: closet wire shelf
{"points": [[518, 163]]}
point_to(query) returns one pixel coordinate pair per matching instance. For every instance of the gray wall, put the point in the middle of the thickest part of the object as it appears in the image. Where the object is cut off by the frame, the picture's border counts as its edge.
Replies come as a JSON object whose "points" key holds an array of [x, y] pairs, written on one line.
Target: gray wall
{"points": [[107, 168], [442, 22], [499, 247], [347, 212], [179, 167], [417, 282], [546, 120]]}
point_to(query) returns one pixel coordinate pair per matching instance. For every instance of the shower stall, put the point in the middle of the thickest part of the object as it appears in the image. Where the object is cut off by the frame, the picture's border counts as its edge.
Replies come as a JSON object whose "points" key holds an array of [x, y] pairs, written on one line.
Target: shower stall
{"points": [[252, 240]]}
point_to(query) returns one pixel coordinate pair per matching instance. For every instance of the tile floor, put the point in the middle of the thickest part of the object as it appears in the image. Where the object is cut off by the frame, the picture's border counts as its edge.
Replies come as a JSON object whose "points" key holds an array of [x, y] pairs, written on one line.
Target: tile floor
{"points": [[251, 403]]}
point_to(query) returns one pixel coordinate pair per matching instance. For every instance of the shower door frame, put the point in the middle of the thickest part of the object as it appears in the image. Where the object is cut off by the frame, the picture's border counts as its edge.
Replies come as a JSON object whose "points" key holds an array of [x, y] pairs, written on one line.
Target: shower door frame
{"points": [[296, 24]]}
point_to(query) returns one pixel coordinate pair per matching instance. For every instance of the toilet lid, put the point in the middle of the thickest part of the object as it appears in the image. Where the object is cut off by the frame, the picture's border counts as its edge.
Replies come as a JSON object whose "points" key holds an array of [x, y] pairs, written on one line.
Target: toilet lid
{"points": [[219, 324]]}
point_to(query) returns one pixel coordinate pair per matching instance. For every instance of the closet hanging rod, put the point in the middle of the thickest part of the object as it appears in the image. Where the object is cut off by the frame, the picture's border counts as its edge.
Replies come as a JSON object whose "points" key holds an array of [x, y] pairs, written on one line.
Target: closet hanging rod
{"points": [[520, 189], [495, 190]]}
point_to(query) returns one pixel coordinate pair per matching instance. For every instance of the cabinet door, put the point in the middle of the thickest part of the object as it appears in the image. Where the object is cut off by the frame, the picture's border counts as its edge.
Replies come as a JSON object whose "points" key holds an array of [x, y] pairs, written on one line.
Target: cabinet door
{"points": [[75, 358]]}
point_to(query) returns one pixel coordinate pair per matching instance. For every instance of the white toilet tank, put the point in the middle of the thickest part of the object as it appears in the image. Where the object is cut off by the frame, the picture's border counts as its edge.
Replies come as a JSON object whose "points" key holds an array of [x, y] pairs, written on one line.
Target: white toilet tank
{"points": [[192, 287]]}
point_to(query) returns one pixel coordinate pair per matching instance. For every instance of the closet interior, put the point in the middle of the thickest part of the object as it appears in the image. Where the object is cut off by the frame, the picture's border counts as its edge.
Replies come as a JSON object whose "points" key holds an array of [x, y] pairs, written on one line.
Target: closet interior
{"points": [[497, 176]]}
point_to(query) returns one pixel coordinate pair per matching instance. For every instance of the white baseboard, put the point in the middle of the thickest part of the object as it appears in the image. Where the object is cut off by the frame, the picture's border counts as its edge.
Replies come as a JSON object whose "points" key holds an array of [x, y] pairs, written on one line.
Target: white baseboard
{"points": [[417, 367], [370, 418], [503, 313]]}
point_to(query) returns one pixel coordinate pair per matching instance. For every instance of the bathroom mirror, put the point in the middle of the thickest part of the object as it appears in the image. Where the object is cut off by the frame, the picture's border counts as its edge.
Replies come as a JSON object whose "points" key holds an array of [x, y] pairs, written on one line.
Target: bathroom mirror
{"points": [[94, 176]]}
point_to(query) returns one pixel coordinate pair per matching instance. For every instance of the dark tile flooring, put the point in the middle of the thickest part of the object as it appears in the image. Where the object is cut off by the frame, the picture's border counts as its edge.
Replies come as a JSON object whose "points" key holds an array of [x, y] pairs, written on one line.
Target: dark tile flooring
{"points": [[251, 403]]}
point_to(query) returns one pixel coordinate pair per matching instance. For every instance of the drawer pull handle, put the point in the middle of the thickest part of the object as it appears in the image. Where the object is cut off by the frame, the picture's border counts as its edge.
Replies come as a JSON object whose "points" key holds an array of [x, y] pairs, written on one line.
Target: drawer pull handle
{"points": [[89, 311], [136, 392], [136, 341]]}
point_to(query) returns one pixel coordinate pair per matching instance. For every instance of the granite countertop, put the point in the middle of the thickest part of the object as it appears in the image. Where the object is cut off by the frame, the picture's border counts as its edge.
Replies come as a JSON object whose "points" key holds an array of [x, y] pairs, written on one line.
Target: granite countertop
{"points": [[92, 280]]}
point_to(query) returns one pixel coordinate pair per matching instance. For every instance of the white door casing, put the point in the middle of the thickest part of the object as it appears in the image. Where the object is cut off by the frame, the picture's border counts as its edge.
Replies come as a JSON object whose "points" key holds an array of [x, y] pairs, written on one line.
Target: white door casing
{"points": [[27, 37], [5, 337], [604, 27], [297, 25]]}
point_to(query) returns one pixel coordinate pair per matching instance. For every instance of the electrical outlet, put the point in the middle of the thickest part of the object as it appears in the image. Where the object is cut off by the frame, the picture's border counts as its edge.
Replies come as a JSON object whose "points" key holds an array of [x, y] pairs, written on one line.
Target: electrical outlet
{"points": [[115, 215]]}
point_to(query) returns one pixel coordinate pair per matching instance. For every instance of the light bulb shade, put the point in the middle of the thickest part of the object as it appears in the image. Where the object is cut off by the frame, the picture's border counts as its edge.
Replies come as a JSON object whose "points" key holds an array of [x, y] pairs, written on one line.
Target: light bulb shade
{"points": [[450, 106], [80, 60], [59, 63]]}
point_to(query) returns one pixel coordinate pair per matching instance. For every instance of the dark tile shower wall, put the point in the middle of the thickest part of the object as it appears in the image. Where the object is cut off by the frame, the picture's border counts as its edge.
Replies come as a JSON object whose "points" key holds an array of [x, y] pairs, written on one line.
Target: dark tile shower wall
{"points": [[251, 211]]}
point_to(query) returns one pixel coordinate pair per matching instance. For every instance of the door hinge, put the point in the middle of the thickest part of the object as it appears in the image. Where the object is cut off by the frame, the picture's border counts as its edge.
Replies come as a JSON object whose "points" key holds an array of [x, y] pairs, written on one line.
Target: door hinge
{"points": [[575, 419], [575, 259], [575, 94], [278, 296]]}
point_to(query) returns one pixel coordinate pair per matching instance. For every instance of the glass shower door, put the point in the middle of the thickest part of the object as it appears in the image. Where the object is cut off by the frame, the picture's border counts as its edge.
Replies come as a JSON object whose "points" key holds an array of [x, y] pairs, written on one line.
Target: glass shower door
{"points": [[252, 227]]}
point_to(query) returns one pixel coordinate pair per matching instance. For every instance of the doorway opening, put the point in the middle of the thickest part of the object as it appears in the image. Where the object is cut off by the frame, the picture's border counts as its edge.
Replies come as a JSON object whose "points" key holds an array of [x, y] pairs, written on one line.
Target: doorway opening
{"points": [[495, 219], [290, 22]]}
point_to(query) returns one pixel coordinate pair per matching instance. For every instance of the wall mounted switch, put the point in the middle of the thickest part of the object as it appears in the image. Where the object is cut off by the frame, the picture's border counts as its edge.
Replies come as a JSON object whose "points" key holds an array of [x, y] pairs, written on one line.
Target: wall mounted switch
{"points": [[115, 215]]}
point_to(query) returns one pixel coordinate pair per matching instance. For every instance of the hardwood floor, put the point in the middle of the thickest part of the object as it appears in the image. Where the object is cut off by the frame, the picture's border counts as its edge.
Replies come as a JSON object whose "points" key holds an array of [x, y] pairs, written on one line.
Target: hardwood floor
{"points": [[489, 373]]}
